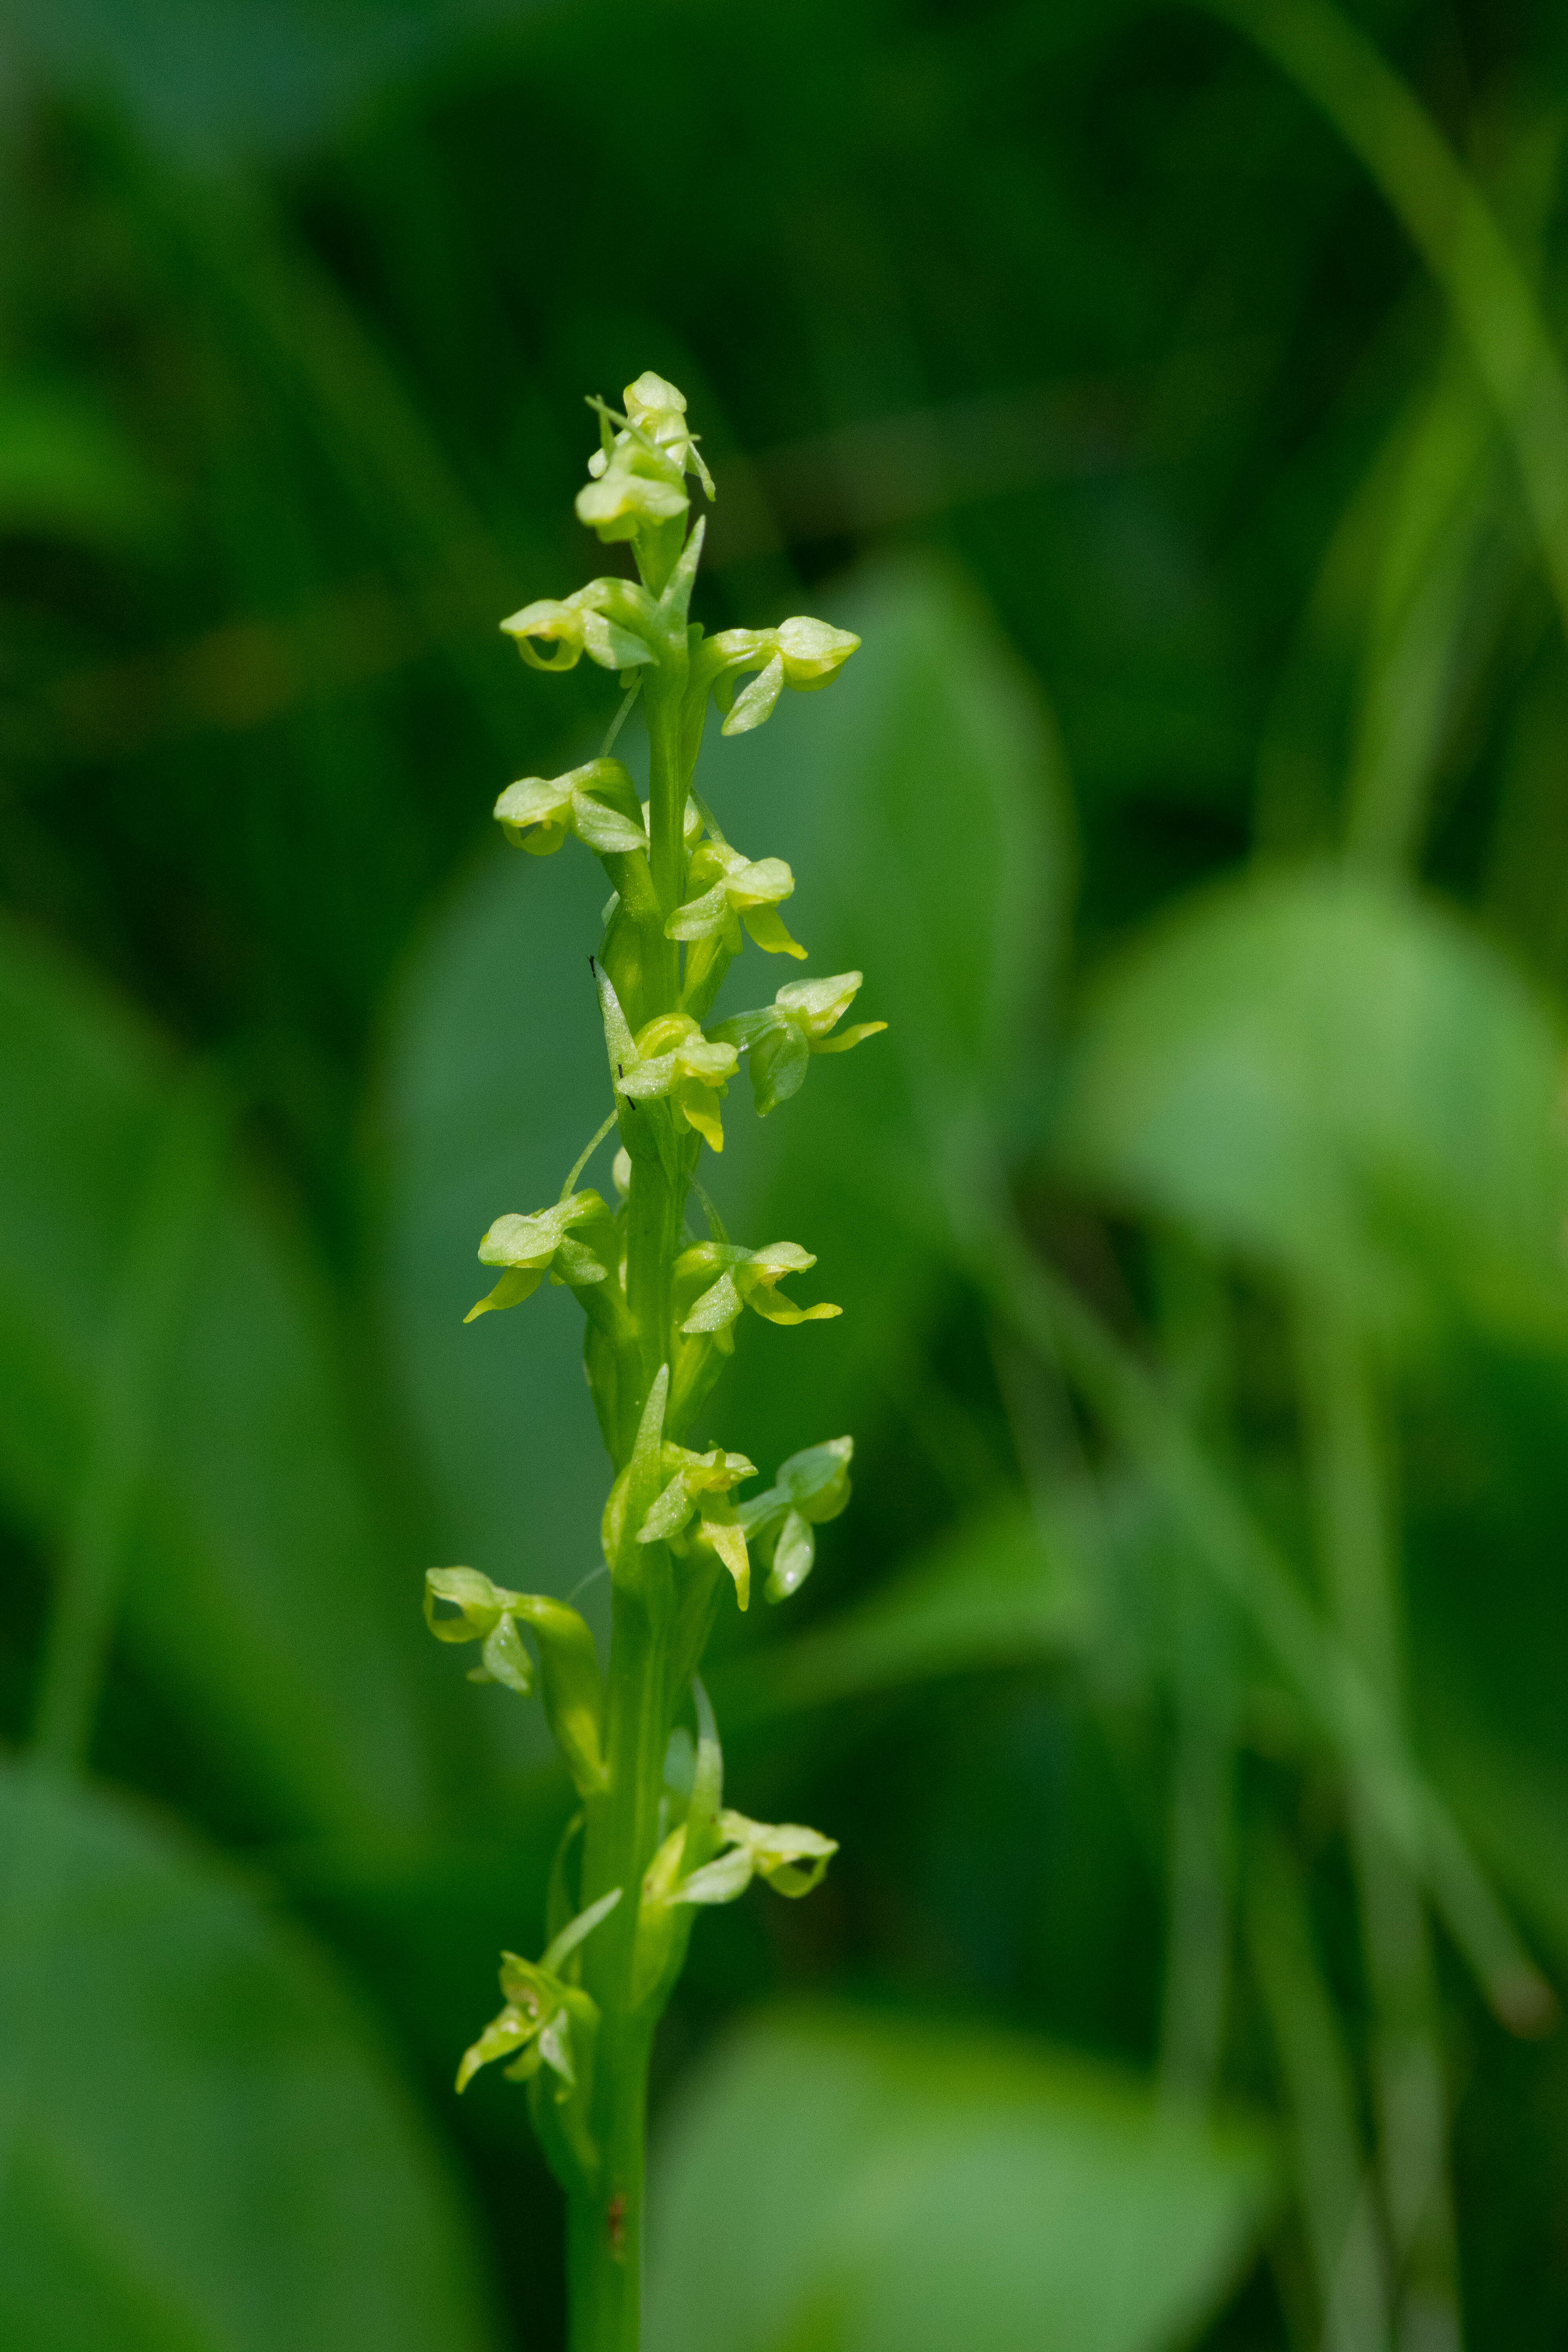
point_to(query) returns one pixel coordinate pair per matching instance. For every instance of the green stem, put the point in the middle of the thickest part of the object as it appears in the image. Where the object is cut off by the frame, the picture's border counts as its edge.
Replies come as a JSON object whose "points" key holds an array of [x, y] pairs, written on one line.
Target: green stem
{"points": [[1320, 2087], [606, 2235], [606, 2230], [1349, 1479]]}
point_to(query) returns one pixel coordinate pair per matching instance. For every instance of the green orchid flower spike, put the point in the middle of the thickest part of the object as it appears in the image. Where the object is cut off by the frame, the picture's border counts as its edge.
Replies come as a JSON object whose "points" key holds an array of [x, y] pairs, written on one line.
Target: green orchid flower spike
{"points": [[647, 1849]]}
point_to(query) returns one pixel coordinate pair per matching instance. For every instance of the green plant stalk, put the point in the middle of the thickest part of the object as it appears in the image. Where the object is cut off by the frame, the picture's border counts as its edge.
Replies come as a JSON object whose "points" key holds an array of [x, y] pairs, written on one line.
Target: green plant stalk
{"points": [[1336, 2207], [661, 1307], [1346, 1453]]}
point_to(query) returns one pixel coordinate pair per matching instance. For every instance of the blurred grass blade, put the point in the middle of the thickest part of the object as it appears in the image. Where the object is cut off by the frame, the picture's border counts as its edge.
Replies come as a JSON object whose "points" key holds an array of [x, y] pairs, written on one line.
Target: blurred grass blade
{"points": [[209, 2151], [167, 1229], [1452, 226], [1445, 499], [847, 2184], [281, 304], [1332, 2182], [1222, 1531], [1349, 1483]]}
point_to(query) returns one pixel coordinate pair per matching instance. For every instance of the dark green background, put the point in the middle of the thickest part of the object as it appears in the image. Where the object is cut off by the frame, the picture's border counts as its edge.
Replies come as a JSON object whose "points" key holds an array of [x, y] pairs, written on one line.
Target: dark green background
{"points": [[1069, 352]]}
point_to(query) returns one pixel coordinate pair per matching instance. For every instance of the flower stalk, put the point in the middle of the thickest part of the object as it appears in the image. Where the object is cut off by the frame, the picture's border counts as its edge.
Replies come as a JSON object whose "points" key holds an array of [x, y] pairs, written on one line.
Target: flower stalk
{"points": [[652, 1843]]}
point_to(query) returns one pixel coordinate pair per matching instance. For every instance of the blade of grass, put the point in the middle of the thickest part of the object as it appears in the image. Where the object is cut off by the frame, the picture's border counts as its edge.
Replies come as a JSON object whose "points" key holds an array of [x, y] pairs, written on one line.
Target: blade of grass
{"points": [[1320, 2089], [1348, 1481], [1030, 1296], [1452, 226]]}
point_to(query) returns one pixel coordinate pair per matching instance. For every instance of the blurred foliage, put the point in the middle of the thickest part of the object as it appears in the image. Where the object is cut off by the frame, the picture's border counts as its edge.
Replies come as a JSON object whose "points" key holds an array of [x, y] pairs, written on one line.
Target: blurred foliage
{"points": [[1170, 398]]}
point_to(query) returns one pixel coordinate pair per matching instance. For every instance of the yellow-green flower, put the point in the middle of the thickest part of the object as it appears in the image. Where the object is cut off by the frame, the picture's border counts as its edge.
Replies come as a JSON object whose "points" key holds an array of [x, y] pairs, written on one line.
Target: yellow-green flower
{"points": [[779, 1039], [607, 620], [674, 1059], [598, 803], [801, 652], [530, 1247], [744, 1279], [743, 890]]}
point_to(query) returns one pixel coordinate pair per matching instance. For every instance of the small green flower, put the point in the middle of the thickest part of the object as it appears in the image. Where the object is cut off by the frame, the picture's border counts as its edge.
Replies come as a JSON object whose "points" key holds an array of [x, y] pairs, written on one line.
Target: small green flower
{"points": [[779, 1039], [745, 1278], [597, 802], [700, 1489], [792, 1860], [530, 1247], [675, 1060], [811, 1487], [550, 2026], [801, 652], [574, 1694], [609, 620], [743, 891]]}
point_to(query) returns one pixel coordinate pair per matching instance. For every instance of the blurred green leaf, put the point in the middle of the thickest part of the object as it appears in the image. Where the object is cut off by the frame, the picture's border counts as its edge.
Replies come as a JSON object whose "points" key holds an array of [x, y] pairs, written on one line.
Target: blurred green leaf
{"points": [[994, 1594], [256, 1587], [202, 2146], [68, 471], [494, 1078], [836, 2183], [1339, 1081]]}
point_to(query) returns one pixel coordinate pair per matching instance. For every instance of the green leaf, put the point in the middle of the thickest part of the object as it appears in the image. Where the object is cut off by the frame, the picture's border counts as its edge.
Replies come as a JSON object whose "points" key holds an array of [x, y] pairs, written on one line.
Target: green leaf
{"points": [[1338, 1080], [494, 1078], [837, 2183], [254, 1582], [206, 2150]]}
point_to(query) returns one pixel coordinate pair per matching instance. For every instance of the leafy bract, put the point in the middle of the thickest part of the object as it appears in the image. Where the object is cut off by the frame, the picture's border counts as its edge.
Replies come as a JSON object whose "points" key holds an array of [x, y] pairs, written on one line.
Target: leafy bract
{"points": [[1338, 1080], [863, 2186], [206, 2151]]}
